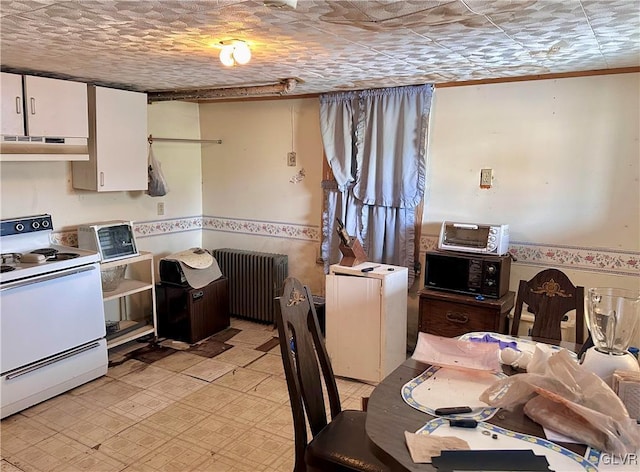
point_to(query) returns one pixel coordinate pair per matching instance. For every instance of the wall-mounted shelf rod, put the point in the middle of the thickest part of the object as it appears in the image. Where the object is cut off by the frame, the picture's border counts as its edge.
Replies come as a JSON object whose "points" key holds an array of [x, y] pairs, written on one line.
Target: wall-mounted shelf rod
{"points": [[151, 139]]}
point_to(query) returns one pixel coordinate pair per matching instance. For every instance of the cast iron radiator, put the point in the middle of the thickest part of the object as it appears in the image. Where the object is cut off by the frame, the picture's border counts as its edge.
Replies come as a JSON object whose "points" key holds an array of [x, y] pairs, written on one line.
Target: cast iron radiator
{"points": [[255, 280]]}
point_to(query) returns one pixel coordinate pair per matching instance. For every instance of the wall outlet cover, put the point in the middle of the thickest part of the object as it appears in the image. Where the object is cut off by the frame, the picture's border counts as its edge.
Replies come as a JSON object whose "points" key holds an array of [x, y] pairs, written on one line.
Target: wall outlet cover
{"points": [[291, 159], [486, 176]]}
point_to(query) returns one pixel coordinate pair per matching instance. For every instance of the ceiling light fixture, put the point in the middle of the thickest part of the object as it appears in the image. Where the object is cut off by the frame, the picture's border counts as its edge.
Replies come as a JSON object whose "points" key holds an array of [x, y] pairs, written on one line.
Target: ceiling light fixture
{"points": [[234, 52]]}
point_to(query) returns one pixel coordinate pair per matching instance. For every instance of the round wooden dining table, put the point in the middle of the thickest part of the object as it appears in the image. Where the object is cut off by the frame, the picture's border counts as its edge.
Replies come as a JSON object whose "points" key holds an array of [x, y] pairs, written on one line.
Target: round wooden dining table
{"points": [[389, 416]]}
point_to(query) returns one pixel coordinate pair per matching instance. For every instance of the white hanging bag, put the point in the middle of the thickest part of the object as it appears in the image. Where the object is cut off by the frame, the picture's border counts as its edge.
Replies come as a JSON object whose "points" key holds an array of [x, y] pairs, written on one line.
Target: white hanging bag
{"points": [[157, 183]]}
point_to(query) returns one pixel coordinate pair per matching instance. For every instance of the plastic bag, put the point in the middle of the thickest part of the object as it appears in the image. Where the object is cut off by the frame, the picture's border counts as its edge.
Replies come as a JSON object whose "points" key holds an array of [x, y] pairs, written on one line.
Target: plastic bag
{"points": [[564, 397], [456, 353], [157, 186]]}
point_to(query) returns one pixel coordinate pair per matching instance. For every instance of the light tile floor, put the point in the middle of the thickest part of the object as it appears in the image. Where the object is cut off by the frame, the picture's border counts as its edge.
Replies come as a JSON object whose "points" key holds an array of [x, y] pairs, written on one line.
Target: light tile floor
{"points": [[181, 413]]}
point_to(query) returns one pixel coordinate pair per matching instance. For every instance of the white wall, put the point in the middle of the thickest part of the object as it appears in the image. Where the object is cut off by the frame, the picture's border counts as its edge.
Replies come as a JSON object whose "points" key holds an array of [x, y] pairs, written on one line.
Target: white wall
{"points": [[247, 179], [566, 160], [181, 164], [564, 154]]}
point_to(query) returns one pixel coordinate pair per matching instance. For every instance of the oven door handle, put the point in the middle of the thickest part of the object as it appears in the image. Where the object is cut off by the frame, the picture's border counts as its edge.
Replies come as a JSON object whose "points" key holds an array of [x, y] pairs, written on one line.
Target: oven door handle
{"points": [[52, 360], [45, 278]]}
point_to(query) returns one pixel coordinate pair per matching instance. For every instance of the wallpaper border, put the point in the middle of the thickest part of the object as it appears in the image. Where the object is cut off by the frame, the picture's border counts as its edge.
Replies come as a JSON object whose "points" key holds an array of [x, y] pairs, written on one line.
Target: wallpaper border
{"points": [[603, 260], [271, 229]]}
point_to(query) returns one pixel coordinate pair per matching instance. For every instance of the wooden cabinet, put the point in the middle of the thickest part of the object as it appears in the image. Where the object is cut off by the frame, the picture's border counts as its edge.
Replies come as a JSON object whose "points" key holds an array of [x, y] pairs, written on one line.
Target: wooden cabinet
{"points": [[192, 314], [135, 313], [451, 314], [44, 107], [118, 155]]}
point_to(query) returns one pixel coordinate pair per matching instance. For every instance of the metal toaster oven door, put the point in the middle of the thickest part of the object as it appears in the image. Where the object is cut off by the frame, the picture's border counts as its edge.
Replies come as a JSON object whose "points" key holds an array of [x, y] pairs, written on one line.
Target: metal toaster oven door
{"points": [[466, 235], [116, 241]]}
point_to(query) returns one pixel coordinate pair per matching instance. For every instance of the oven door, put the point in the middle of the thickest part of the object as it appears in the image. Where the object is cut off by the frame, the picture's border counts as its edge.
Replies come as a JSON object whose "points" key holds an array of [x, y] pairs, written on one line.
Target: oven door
{"points": [[47, 314]]}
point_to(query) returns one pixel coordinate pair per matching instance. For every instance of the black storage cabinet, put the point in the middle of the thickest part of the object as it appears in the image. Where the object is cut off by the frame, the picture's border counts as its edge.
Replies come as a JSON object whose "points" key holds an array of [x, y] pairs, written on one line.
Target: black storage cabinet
{"points": [[192, 314]]}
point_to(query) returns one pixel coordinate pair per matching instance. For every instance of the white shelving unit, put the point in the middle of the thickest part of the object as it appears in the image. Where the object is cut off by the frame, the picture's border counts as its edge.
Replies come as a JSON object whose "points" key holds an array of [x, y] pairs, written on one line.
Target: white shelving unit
{"points": [[136, 296]]}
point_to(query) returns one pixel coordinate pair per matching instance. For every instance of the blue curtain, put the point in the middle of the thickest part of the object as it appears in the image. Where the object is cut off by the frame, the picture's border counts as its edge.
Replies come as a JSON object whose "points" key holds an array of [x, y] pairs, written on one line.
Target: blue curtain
{"points": [[375, 143]]}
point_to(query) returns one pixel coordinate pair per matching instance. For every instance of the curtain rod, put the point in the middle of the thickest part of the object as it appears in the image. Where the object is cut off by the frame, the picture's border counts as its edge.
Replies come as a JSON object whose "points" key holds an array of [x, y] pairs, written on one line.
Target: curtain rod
{"points": [[151, 139]]}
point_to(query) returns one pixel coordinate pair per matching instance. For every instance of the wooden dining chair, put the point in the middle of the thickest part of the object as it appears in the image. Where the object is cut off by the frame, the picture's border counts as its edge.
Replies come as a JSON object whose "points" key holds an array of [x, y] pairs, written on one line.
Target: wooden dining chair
{"points": [[340, 444], [549, 296]]}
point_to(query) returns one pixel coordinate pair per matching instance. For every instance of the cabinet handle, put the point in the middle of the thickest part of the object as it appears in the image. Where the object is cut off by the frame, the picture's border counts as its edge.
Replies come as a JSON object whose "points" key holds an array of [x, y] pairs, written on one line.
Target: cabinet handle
{"points": [[197, 295], [459, 318], [18, 105], [101, 179], [33, 105]]}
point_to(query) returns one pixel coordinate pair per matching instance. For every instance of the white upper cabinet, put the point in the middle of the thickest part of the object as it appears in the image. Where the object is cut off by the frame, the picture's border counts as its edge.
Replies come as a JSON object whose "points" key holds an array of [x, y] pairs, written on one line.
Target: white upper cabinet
{"points": [[118, 152], [56, 108], [12, 103], [44, 107]]}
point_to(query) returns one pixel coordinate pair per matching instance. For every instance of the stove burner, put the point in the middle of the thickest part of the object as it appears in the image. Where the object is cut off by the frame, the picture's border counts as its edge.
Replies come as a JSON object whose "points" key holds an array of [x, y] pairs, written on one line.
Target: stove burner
{"points": [[46, 252], [6, 268], [63, 256]]}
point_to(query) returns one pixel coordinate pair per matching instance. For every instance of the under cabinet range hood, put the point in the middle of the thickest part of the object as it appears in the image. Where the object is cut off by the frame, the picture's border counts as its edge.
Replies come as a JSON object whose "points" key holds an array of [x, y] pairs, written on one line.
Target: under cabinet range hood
{"points": [[40, 148], [43, 119]]}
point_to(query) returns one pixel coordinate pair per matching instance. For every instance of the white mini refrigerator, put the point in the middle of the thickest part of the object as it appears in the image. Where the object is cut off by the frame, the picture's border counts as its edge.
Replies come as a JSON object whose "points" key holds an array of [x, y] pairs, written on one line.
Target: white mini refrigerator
{"points": [[366, 320]]}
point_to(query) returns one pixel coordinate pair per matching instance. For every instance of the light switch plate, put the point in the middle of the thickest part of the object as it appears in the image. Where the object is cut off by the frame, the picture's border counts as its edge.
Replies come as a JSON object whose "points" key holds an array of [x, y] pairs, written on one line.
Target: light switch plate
{"points": [[486, 175]]}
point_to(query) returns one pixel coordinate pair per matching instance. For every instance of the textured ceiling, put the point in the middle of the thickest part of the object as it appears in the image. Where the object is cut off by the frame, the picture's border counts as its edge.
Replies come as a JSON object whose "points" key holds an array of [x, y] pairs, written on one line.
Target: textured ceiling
{"points": [[157, 45]]}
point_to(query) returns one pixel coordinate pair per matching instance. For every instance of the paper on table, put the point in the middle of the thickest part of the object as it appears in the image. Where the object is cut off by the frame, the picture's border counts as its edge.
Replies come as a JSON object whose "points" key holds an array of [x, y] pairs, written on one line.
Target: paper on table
{"points": [[456, 353], [423, 447], [554, 436]]}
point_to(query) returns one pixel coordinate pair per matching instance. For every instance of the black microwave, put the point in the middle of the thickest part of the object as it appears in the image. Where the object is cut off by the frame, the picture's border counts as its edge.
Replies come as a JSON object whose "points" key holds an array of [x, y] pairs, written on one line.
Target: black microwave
{"points": [[468, 273]]}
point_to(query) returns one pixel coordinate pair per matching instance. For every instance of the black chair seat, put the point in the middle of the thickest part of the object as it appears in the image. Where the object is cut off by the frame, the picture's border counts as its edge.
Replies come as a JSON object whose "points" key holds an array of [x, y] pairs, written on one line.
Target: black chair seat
{"points": [[343, 446]]}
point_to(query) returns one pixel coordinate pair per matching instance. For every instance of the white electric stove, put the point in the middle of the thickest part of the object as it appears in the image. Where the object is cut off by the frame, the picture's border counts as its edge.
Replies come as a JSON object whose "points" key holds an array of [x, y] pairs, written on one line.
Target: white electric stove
{"points": [[52, 325]]}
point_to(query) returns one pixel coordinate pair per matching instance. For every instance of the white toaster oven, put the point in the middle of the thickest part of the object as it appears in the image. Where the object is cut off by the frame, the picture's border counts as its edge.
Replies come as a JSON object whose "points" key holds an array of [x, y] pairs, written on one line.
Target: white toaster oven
{"points": [[113, 240], [476, 238]]}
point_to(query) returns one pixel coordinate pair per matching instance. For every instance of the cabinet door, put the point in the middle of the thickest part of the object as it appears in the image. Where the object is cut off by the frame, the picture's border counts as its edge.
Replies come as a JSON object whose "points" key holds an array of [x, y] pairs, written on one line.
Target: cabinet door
{"points": [[353, 322], [119, 145], [12, 119], [56, 108]]}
